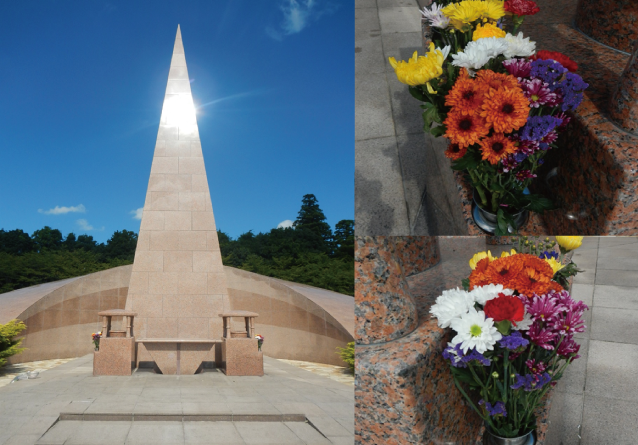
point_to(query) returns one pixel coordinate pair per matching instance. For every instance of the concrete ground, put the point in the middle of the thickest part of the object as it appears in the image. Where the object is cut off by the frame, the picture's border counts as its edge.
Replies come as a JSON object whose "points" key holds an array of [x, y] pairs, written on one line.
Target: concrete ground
{"points": [[596, 402], [403, 182], [241, 410]]}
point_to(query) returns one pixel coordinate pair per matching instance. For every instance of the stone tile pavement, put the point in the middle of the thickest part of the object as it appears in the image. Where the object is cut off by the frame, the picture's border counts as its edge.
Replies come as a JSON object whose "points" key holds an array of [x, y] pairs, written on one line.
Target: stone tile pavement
{"points": [[31, 408], [403, 183], [596, 402]]}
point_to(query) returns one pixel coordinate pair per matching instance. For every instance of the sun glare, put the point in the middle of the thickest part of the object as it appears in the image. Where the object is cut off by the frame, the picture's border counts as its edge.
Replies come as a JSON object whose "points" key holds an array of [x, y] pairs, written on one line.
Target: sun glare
{"points": [[179, 110]]}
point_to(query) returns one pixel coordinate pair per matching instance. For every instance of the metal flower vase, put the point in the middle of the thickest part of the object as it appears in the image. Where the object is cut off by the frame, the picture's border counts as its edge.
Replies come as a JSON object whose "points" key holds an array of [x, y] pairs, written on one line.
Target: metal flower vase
{"points": [[488, 221], [490, 438]]}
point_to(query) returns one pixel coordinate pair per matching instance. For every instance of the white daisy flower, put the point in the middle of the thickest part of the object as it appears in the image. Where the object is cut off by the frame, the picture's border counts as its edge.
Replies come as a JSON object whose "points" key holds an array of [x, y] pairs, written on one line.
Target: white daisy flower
{"points": [[517, 46], [477, 53], [451, 305], [473, 330], [483, 294], [525, 324], [435, 16]]}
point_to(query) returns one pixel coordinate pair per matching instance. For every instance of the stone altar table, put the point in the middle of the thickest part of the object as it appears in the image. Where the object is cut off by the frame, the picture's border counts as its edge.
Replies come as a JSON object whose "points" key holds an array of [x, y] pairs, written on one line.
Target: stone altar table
{"points": [[116, 355], [240, 354], [175, 356]]}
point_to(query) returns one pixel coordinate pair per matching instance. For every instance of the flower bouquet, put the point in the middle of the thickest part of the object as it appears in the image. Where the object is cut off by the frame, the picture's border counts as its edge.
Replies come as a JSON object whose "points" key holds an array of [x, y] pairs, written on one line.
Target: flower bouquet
{"points": [[500, 103], [515, 327], [96, 339], [260, 341]]}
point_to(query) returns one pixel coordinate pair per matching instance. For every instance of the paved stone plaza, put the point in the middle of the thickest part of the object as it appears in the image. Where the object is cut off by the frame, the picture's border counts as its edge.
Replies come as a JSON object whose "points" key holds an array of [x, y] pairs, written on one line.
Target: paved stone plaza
{"points": [[251, 410], [596, 402]]}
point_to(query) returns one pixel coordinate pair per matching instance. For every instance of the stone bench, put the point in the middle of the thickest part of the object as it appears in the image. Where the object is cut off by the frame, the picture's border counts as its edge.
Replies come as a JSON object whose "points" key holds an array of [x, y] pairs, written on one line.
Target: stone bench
{"points": [[178, 356]]}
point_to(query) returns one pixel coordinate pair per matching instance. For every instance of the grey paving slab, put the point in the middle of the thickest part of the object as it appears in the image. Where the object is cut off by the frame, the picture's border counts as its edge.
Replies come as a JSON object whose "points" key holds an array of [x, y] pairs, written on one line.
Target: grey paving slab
{"points": [[373, 110], [368, 53], [148, 433], [365, 4], [380, 207], [617, 277], [615, 325], [211, 433], [584, 293], [400, 19], [618, 263], [329, 426], [612, 370], [22, 439], [613, 241], [267, 433], [616, 297], [107, 433], [565, 419], [622, 251], [59, 433], [609, 421], [406, 110], [395, 3]]}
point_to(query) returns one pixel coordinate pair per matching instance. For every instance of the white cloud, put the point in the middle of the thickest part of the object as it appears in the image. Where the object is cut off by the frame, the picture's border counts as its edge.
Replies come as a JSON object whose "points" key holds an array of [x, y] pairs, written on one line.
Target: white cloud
{"points": [[84, 225], [297, 15], [285, 224], [57, 210], [137, 213]]}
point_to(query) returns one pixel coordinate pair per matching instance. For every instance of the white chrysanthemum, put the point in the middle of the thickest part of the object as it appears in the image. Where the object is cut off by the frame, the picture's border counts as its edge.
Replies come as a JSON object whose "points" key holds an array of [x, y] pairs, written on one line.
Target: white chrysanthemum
{"points": [[473, 330], [483, 294], [517, 46], [435, 16], [451, 305], [477, 53], [524, 324]]}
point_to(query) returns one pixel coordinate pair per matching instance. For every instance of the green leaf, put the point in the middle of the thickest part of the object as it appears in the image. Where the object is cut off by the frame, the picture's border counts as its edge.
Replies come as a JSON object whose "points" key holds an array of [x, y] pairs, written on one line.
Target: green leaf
{"points": [[538, 203], [466, 284], [503, 326], [470, 161], [438, 131], [418, 94]]}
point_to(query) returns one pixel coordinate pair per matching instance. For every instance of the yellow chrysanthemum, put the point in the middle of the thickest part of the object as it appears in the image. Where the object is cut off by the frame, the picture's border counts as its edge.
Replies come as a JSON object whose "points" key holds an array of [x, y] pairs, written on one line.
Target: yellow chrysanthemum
{"points": [[479, 256], [468, 11], [556, 266], [420, 70], [487, 30], [504, 254], [569, 242]]}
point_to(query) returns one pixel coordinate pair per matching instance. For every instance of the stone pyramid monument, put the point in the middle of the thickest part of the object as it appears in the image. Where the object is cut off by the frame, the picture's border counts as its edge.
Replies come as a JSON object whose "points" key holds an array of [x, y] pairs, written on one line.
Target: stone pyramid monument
{"points": [[178, 286]]}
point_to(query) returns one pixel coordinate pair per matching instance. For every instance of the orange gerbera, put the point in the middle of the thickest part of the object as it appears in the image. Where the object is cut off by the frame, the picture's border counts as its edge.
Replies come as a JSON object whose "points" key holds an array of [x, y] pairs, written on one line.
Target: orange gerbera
{"points": [[505, 270], [506, 109], [466, 96], [535, 277], [496, 80], [496, 147], [455, 152], [465, 130], [479, 276]]}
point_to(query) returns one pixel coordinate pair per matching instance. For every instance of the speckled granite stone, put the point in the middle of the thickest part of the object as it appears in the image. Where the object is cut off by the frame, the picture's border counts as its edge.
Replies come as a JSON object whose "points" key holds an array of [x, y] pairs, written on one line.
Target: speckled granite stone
{"points": [[115, 357], [612, 22], [404, 392], [384, 309], [416, 253], [623, 106]]}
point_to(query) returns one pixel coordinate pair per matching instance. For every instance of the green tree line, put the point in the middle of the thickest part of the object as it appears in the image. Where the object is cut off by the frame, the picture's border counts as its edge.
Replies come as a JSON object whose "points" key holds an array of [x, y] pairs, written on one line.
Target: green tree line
{"points": [[309, 252]]}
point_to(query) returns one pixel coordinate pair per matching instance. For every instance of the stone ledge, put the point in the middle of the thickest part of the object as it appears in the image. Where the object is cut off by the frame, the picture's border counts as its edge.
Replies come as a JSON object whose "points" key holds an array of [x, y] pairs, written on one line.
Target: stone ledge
{"points": [[226, 417]]}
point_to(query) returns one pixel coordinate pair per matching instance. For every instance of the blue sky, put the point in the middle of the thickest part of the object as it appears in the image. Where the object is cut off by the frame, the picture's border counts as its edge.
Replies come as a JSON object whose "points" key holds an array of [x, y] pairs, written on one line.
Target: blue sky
{"points": [[83, 85]]}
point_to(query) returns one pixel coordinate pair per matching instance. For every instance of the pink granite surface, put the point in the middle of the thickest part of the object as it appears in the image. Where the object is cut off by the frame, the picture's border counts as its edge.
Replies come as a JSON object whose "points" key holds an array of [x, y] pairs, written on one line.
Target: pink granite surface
{"points": [[384, 309], [241, 357], [177, 358], [623, 106], [115, 357], [416, 253]]}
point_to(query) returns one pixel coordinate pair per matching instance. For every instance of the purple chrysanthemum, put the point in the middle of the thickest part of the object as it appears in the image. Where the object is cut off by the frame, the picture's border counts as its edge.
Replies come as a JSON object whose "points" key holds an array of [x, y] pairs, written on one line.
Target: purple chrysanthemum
{"points": [[549, 71], [548, 139], [524, 175], [544, 308], [535, 367], [513, 341], [566, 119], [540, 336], [508, 163], [497, 410], [537, 92], [518, 67], [568, 348], [569, 323], [537, 127]]}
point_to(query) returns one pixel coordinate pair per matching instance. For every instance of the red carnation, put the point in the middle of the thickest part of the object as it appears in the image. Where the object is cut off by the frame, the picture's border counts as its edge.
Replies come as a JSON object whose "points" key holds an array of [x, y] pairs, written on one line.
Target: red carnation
{"points": [[505, 307], [521, 7], [558, 57]]}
